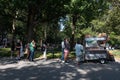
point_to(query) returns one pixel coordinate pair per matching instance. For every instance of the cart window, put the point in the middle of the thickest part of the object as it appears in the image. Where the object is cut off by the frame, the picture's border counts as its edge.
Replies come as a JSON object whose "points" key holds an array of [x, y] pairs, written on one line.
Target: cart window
{"points": [[92, 43]]}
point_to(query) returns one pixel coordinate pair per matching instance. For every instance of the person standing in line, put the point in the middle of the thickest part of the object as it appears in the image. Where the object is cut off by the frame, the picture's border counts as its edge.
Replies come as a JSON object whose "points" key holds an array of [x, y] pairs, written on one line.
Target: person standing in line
{"points": [[12, 48], [62, 46], [18, 46], [44, 46], [32, 50], [21, 50], [66, 49], [78, 51], [5, 42], [27, 50]]}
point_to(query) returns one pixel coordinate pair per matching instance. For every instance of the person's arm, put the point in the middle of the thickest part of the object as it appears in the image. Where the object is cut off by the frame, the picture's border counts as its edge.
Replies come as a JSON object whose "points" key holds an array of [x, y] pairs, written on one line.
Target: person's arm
{"points": [[18, 45], [33, 44]]}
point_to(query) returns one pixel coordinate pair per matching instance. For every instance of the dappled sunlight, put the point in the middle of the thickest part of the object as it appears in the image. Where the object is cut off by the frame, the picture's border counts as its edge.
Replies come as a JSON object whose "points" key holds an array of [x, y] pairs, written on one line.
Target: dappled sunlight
{"points": [[69, 76], [54, 70], [82, 71], [32, 78]]}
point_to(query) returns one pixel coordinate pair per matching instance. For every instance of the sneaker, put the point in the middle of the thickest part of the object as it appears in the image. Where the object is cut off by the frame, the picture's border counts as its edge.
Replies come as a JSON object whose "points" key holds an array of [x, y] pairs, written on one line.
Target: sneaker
{"points": [[63, 61]]}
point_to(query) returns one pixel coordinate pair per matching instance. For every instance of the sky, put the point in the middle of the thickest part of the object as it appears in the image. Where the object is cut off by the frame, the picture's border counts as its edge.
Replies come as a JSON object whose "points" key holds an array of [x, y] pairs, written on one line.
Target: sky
{"points": [[61, 24]]}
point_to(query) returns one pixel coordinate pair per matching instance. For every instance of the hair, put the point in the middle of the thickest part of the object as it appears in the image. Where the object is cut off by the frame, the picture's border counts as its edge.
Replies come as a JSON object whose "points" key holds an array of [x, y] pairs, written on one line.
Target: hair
{"points": [[78, 41]]}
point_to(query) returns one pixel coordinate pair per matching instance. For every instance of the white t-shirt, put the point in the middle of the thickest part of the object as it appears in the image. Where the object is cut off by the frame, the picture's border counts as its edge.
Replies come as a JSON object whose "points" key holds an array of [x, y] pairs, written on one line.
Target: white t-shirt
{"points": [[62, 44]]}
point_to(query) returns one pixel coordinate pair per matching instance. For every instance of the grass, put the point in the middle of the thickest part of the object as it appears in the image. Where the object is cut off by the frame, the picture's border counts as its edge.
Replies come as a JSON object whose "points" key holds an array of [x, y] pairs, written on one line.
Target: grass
{"points": [[116, 53], [56, 54], [5, 52]]}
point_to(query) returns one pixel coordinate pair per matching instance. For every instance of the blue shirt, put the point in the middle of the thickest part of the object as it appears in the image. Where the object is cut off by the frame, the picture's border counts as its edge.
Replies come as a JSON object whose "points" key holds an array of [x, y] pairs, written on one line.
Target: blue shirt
{"points": [[78, 49]]}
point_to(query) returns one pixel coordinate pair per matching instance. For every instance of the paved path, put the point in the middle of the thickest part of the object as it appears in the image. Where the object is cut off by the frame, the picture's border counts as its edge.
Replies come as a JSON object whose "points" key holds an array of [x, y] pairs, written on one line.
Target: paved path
{"points": [[54, 70]]}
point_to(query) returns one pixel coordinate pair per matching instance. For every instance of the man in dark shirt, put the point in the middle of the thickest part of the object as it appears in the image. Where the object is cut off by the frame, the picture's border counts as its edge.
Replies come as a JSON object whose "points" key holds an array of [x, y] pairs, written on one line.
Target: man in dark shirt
{"points": [[12, 48], [18, 45]]}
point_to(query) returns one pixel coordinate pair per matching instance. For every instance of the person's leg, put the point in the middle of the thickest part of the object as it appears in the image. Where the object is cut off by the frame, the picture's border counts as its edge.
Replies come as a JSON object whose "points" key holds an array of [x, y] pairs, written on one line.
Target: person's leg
{"points": [[62, 56], [18, 54], [44, 55], [32, 55], [81, 58], [66, 56], [21, 53], [26, 51], [11, 54], [77, 59]]}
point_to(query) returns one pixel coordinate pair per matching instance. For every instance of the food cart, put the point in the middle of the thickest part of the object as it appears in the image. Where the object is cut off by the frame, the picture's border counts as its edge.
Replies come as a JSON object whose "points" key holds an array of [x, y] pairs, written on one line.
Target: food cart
{"points": [[95, 49]]}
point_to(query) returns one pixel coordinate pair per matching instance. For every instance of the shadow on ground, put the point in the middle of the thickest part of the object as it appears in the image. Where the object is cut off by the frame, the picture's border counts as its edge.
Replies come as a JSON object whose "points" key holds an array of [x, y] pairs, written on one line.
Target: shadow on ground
{"points": [[54, 70]]}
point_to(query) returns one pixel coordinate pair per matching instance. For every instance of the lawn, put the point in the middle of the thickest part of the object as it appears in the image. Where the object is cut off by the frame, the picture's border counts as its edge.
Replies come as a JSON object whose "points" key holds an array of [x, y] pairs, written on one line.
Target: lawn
{"points": [[5, 52], [116, 53]]}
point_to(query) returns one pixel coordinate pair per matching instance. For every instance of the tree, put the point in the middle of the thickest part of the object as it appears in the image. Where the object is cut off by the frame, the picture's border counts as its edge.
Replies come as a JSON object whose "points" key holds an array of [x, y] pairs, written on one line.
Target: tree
{"points": [[84, 11], [113, 25], [12, 15], [44, 12]]}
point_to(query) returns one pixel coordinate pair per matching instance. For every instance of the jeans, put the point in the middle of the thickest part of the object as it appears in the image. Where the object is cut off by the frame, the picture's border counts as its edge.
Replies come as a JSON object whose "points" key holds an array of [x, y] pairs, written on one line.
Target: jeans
{"points": [[62, 57], [31, 55]]}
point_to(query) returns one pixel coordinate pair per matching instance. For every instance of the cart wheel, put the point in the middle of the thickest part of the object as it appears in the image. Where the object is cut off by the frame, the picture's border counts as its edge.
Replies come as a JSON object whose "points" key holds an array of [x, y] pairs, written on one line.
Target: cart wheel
{"points": [[102, 61]]}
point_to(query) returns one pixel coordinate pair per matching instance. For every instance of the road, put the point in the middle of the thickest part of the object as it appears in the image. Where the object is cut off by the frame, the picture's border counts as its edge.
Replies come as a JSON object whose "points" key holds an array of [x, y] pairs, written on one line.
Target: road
{"points": [[54, 70]]}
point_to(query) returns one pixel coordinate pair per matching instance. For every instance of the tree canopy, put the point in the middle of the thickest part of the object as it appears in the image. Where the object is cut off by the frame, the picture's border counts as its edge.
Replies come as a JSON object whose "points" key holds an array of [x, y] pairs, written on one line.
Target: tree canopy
{"points": [[38, 19]]}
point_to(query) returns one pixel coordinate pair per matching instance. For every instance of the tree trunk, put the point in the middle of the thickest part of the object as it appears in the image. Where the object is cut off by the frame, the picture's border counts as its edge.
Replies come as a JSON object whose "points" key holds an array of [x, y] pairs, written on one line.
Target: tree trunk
{"points": [[13, 25], [44, 24], [30, 24], [13, 29], [72, 38], [72, 42], [45, 31]]}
